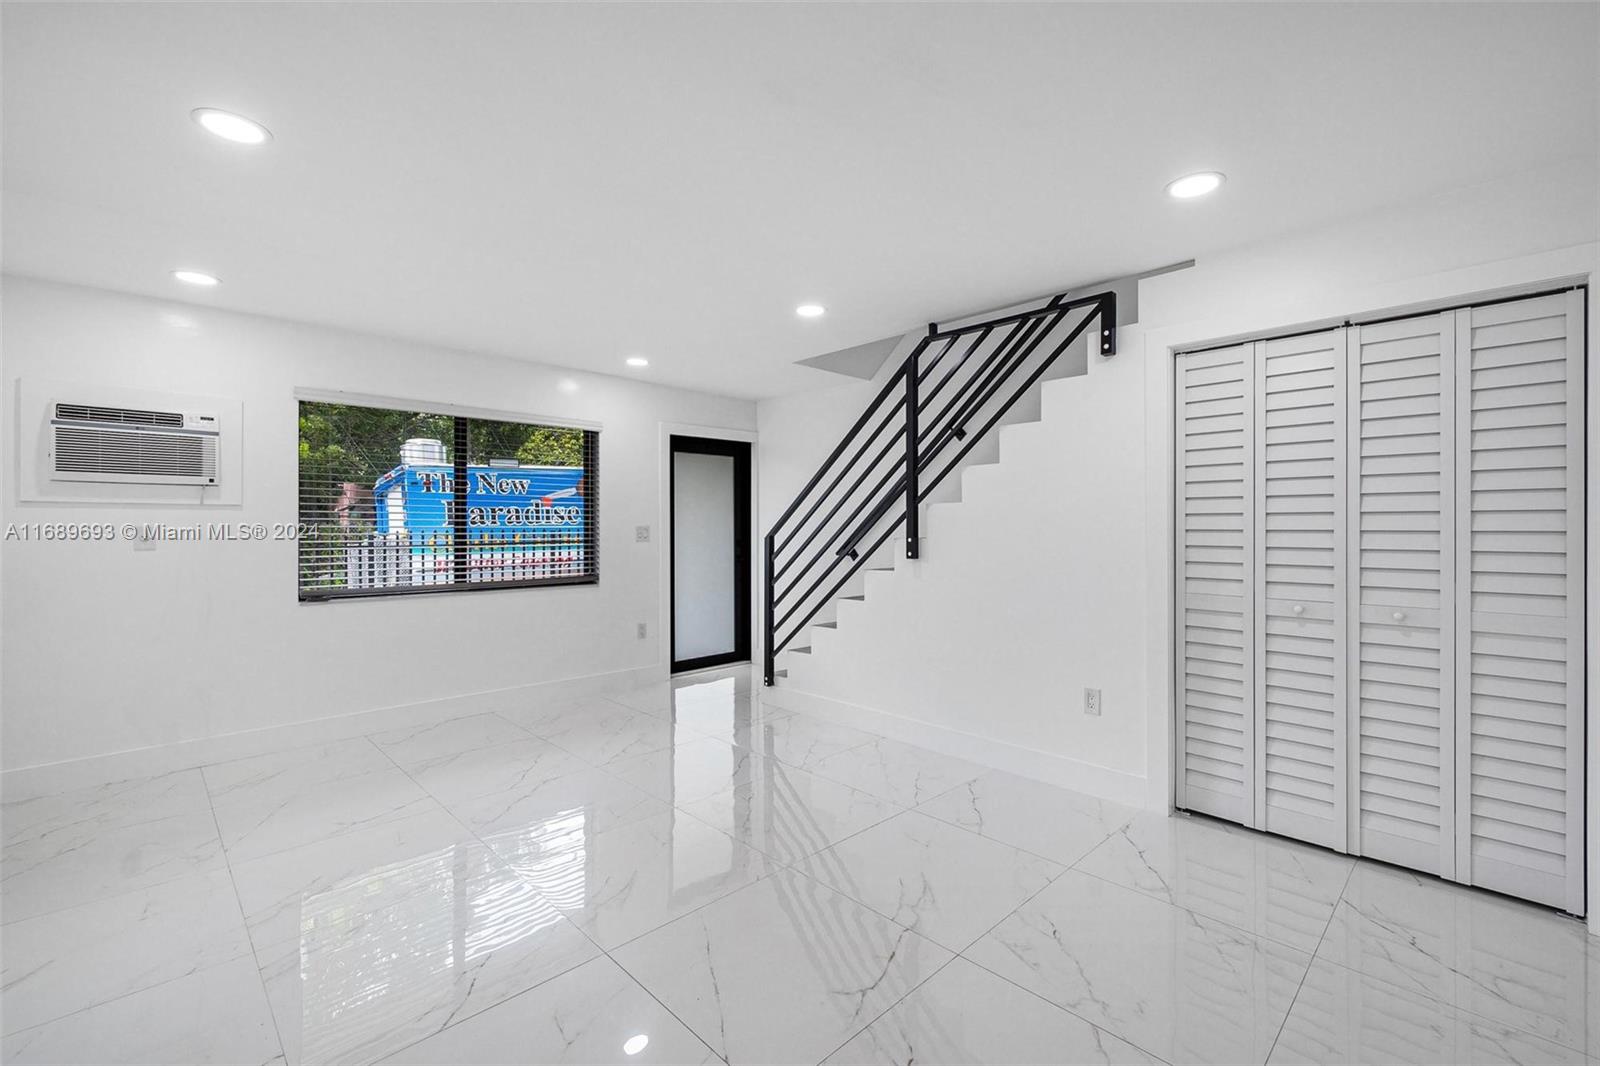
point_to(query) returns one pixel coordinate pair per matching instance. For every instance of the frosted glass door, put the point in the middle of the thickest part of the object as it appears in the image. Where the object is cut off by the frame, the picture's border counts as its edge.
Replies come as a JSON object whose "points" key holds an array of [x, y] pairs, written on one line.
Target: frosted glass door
{"points": [[702, 556], [710, 579]]}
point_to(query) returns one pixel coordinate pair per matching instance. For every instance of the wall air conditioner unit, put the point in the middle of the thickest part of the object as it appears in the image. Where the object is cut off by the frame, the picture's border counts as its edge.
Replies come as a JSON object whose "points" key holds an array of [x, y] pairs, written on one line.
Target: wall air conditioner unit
{"points": [[129, 446]]}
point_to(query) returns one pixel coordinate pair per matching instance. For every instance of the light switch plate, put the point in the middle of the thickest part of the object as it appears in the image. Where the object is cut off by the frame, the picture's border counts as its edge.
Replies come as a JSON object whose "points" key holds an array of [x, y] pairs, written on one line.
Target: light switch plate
{"points": [[641, 534], [1091, 701]]}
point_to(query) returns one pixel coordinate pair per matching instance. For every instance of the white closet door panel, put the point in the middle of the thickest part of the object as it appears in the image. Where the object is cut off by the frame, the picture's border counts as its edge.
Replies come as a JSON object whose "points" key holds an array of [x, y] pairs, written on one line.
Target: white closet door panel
{"points": [[1519, 645], [1215, 544], [1300, 568], [1380, 561], [1401, 516]]}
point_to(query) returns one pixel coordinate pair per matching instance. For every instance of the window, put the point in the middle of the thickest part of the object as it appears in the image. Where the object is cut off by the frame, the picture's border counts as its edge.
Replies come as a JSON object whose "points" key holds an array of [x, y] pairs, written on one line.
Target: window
{"points": [[381, 512]]}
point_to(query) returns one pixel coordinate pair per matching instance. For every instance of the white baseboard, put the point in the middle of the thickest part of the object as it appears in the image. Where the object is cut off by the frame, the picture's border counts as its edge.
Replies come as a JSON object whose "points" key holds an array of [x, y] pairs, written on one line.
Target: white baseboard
{"points": [[1099, 781], [26, 782]]}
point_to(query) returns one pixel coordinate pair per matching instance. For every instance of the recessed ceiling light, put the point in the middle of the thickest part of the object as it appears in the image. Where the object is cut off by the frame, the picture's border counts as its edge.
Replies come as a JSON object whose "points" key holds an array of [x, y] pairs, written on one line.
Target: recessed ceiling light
{"points": [[230, 127], [195, 277], [810, 310], [635, 1044], [638, 360], [1192, 185]]}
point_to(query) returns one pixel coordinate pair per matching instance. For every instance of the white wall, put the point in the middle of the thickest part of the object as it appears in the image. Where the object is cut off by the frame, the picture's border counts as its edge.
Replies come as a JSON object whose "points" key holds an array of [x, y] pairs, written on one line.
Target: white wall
{"points": [[1001, 655], [107, 649]]}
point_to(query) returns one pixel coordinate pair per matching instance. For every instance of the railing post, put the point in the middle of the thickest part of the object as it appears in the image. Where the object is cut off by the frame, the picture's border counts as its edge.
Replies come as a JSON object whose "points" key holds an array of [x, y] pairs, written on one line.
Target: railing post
{"points": [[913, 537], [768, 658]]}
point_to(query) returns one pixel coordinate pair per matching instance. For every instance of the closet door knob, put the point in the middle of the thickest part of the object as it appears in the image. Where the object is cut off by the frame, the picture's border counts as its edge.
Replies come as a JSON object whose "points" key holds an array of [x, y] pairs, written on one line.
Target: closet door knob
{"points": [[1399, 616], [1298, 609]]}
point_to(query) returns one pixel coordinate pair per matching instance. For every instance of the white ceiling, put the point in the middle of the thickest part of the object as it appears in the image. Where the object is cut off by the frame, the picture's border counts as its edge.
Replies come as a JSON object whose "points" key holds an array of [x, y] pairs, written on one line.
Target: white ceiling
{"points": [[574, 184]]}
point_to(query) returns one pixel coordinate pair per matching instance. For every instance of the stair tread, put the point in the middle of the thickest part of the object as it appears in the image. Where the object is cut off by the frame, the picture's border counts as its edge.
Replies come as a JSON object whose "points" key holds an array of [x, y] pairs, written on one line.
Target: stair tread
{"points": [[856, 598], [780, 673], [803, 651], [827, 625]]}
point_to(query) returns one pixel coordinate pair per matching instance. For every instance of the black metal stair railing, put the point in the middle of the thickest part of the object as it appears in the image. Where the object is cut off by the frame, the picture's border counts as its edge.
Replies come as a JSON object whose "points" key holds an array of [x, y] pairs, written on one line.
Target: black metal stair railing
{"points": [[941, 402]]}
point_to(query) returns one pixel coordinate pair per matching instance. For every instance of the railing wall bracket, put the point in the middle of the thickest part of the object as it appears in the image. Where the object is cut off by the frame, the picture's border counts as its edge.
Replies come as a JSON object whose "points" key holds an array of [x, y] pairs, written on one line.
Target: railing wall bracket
{"points": [[1108, 324]]}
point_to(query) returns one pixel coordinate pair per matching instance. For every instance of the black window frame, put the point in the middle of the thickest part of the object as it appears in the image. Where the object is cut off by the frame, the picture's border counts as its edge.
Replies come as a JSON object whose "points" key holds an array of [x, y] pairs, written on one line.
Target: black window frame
{"points": [[461, 562]]}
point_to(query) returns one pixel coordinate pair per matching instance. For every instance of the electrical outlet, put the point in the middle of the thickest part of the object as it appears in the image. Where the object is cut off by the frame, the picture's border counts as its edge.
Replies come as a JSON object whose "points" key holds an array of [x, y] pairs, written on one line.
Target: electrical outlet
{"points": [[1091, 701], [644, 630], [642, 535]]}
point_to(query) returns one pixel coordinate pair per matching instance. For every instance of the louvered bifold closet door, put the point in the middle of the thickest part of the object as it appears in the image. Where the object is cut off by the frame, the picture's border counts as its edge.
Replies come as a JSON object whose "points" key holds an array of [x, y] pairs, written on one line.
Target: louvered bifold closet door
{"points": [[1214, 557], [1519, 650], [1300, 557], [1402, 518]]}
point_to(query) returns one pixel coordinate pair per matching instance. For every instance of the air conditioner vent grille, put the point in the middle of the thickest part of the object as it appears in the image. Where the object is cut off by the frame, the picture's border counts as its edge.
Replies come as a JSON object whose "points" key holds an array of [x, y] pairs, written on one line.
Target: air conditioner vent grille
{"points": [[90, 453], [78, 412]]}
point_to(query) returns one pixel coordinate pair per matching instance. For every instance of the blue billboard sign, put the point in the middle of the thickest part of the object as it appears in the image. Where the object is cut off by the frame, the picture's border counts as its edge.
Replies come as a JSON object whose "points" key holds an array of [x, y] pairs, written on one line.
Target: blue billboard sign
{"points": [[522, 521]]}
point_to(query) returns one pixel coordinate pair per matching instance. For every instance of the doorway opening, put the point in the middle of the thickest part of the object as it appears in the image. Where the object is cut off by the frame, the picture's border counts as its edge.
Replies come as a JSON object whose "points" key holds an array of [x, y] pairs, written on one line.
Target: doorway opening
{"points": [[710, 568]]}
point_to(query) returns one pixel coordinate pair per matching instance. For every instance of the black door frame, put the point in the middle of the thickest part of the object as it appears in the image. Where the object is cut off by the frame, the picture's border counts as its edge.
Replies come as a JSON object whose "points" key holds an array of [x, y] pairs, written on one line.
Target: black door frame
{"points": [[739, 452]]}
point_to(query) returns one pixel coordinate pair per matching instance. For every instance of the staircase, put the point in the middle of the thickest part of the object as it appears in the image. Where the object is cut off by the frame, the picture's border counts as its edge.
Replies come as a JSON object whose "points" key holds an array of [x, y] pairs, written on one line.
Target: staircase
{"points": [[939, 411]]}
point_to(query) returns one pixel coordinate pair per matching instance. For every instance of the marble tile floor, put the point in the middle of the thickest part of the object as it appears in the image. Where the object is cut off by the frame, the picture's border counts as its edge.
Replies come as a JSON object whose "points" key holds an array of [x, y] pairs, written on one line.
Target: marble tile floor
{"points": [[686, 874]]}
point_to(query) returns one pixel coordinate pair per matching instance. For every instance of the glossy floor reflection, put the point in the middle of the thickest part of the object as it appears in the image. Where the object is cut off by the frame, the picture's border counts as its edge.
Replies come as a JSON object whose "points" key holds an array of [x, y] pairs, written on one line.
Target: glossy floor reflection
{"points": [[685, 874]]}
